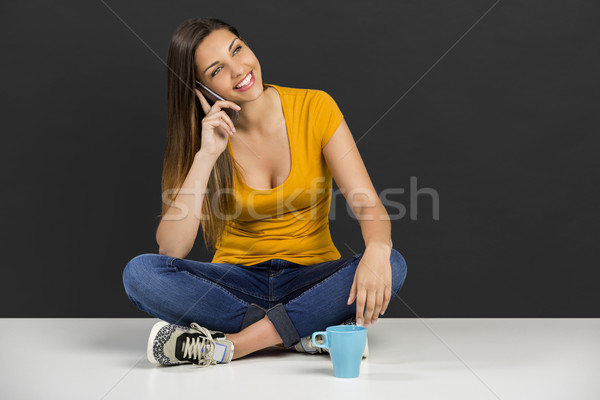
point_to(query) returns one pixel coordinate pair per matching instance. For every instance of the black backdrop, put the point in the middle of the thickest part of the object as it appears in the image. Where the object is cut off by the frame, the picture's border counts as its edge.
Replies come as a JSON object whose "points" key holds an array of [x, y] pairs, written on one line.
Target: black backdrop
{"points": [[489, 108]]}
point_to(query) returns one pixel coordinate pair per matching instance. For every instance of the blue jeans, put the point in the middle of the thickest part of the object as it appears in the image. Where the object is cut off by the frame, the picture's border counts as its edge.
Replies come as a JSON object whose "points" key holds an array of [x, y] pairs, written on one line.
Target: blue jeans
{"points": [[298, 299]]}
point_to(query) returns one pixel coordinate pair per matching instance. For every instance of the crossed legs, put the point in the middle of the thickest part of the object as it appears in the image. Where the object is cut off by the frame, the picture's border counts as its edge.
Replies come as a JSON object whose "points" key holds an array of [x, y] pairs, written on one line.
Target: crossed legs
{"points": [[149, 279]]}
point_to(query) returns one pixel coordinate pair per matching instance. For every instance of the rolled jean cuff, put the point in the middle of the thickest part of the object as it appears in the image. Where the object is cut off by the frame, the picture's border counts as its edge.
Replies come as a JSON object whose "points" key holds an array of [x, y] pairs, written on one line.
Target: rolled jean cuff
{"points": [[254, 314], [283, 324]]}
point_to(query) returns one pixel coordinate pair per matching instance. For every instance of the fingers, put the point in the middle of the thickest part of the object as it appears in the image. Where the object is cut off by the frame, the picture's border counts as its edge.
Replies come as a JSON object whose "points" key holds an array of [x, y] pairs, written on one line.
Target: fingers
{"points": [[361, 298], [374, 304], [227, 104], [222, 120], [352, 295], [370, 306], [218, 106], [223, 124], [203, 101], [228, 120], [378, 305], [230, 127], [387, 295], [373, 292], [215, 116]]}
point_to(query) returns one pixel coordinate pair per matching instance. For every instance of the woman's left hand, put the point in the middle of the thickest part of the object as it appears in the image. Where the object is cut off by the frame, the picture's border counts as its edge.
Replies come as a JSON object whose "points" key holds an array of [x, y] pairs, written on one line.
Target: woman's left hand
{"points": [[372, 284]]}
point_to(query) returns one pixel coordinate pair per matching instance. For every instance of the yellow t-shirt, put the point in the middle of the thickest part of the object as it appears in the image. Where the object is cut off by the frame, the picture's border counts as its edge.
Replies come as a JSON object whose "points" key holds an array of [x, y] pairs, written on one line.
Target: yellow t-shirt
{"points": [[290, 221]]}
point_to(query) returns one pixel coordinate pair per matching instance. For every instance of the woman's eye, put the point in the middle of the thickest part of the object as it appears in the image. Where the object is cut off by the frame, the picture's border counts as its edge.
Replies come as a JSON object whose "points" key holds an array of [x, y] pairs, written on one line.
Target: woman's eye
{"points": [[216, 71]]}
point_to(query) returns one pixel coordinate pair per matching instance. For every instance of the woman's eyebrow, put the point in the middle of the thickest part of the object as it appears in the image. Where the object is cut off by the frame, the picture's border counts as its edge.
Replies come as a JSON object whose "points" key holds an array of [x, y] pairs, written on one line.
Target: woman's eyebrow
{"points": [[216, 62]]}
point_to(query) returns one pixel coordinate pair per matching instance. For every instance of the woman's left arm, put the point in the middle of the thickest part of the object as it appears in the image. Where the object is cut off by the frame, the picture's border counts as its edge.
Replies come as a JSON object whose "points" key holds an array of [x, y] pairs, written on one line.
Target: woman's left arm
{"points": [[373, 278]]}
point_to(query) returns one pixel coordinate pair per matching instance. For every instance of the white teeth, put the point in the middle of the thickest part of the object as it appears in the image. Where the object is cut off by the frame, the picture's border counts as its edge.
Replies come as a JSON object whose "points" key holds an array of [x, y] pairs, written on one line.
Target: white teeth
{"points": [[244, 82]]}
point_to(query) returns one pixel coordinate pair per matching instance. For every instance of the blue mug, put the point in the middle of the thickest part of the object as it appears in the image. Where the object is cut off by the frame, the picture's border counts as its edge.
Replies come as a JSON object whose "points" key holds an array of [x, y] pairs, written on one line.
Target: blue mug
{"points": [[346, 344]]}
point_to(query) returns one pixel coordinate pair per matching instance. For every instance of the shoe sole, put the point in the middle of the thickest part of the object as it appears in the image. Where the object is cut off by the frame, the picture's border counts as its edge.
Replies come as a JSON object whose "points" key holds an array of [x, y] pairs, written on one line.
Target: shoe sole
{"points": [[153, 333]]}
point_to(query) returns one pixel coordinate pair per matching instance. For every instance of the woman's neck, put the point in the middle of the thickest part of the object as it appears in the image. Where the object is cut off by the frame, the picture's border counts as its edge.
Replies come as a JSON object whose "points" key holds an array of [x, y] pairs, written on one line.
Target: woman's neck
{"points": [[257, 115]]}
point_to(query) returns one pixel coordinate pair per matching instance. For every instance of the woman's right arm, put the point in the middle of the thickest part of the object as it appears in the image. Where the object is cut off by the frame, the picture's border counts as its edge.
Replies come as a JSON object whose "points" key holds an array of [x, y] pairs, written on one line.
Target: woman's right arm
{"points": [[179, 226], [177, 230]]}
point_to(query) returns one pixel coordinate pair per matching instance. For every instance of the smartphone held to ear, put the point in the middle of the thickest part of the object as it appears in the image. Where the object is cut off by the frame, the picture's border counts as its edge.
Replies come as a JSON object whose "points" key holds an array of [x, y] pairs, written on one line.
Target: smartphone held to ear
{"points": [[212, 97]]}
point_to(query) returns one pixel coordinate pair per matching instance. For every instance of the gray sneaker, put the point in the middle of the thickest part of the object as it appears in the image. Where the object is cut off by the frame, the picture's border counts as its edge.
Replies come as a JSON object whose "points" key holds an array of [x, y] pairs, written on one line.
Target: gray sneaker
{"points": [[171, 344], [306, 345]]}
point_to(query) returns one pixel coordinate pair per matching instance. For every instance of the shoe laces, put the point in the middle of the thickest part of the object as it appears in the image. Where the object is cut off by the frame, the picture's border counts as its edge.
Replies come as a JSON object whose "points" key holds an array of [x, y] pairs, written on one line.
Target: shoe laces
{"points": [[199, 350]]}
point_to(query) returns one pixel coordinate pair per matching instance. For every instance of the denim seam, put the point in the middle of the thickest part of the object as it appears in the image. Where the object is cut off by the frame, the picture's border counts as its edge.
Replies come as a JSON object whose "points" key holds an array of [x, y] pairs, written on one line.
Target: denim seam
{"points": [[272, 284], [348, 262], [318, 284], [259, 296], [213, 284]]}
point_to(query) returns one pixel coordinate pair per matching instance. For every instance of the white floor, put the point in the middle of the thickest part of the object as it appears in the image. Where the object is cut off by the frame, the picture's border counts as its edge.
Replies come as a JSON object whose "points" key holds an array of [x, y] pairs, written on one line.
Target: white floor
{"points": [[462, 359]]}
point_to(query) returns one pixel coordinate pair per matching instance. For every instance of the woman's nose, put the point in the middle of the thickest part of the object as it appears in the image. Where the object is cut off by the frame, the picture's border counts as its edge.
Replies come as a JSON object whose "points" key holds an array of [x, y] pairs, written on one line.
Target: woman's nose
{"points": [[237, 70]]}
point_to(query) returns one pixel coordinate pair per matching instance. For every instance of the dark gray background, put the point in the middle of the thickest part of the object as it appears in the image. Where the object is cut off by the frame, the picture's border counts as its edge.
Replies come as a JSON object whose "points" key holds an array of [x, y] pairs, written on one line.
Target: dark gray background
{"points": [[501, 120]]}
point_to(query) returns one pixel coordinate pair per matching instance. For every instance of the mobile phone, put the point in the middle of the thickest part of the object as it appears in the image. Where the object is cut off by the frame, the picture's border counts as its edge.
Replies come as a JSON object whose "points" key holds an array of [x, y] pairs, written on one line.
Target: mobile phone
{"points": [[212, 97]]}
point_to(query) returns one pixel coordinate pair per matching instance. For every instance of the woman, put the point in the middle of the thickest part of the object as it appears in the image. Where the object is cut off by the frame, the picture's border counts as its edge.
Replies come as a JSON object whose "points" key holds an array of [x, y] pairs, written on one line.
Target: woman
{"points": [[260, 190]]}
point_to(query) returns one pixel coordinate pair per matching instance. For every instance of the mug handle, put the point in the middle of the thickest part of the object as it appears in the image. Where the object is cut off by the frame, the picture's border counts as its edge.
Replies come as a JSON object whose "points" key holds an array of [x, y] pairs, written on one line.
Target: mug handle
{"points": [[325, 344]]}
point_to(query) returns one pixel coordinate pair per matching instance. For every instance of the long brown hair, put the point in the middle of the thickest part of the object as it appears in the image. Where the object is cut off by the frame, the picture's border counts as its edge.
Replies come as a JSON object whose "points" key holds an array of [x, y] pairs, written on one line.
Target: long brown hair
{"points": [[184, 116]]}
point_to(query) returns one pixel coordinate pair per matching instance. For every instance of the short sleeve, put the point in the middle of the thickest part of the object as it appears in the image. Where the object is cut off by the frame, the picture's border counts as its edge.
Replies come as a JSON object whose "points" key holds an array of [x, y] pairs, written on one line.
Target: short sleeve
{"points": [[327, 116]]}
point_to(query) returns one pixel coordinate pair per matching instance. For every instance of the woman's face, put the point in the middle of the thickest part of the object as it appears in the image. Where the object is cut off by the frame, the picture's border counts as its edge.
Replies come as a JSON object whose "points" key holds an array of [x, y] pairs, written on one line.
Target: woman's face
{"points": [[223, 61]]}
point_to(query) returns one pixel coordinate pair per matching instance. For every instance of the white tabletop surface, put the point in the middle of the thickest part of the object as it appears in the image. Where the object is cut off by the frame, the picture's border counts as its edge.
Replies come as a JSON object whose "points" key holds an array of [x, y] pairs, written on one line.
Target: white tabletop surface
{"points": [[506, 359]]}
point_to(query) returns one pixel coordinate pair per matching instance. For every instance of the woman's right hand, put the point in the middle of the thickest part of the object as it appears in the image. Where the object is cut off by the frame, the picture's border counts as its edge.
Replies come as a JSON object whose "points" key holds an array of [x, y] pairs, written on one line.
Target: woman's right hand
{"points": [[216, 125]]}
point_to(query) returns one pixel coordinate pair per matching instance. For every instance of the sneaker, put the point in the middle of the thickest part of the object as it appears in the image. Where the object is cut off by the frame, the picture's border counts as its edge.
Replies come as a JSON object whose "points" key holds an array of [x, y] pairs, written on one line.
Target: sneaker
{"points": [[306, 345], [171, 344]]}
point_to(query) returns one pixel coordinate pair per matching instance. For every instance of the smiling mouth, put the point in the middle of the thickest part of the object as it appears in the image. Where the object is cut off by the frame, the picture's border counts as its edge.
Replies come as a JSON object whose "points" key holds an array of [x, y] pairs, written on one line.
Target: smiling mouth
{"points": [[244, 81]]}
